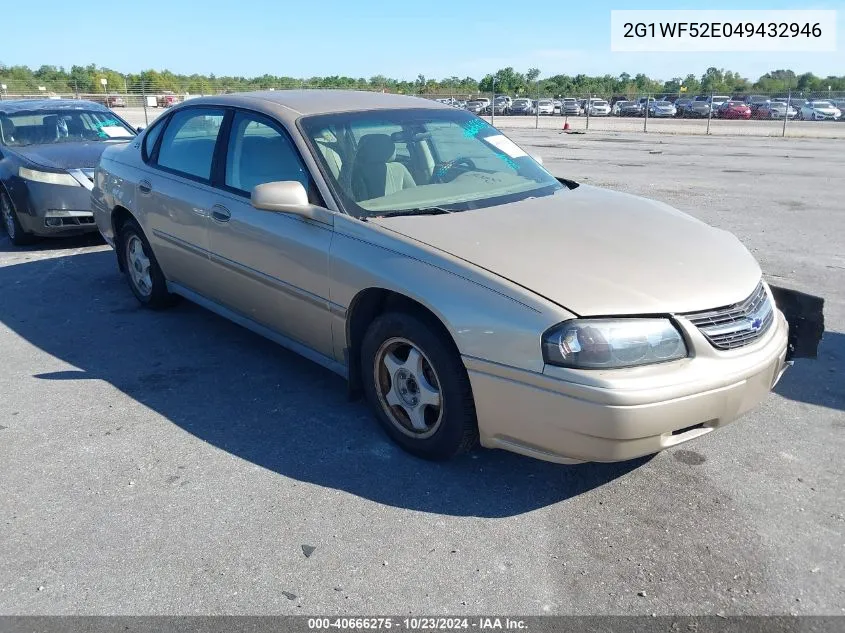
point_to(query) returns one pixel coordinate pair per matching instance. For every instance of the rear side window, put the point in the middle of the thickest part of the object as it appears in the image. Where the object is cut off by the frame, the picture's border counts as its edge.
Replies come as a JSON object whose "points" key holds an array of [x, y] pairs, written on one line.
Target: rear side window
{"points": [[188, 141]]}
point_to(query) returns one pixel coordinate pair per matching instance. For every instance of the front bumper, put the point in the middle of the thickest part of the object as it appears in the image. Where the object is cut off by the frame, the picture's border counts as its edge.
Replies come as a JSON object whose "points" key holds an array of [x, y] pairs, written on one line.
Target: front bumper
{"points": [[52, 210], [628, 413]]}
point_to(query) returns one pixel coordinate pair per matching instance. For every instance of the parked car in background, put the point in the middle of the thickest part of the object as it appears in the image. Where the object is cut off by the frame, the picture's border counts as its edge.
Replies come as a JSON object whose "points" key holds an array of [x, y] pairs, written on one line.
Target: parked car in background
{"points": [[115, 101], [521, 106], [631, 108], [734, 110], [48, 152], [755, 99], [545, 106], [476, 107], [662, 109], [166, 100], [558, 105], [389, 274], [819, 110], [617, 107], [716, 102], [698, 108], [599, 107], [502, 105], [772, 110], [681, 105], [571, 107]]}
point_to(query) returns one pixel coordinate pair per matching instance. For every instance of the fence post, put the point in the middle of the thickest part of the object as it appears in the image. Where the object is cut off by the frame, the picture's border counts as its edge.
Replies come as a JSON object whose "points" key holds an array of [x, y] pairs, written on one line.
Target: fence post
{"points": [[645, 113], [786, 114], [709, 113], [144, 101], [587, 109], [537, 108]]}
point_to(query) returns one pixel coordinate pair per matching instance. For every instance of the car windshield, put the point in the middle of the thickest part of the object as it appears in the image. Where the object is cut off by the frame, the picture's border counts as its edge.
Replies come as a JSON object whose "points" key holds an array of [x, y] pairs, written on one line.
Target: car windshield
{"points": [[384, 161], [40, 127], [521, 102], [822, 104], [600, 103]]}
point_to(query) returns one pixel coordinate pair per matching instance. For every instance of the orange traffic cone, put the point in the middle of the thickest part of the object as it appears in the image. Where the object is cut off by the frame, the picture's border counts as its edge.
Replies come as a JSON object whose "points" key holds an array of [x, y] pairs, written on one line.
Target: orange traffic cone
{"points": [[566, 124]]}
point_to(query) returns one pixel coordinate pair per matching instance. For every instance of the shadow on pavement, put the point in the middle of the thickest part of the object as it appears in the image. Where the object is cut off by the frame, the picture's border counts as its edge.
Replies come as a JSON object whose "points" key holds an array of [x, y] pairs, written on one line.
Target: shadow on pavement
{"points": [[821, 381], [243, 394], [51, 244]]}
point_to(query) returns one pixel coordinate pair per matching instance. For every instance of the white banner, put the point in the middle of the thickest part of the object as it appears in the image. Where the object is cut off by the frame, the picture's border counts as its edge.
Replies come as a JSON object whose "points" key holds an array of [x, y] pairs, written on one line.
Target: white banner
{"points": [[718, 30]]}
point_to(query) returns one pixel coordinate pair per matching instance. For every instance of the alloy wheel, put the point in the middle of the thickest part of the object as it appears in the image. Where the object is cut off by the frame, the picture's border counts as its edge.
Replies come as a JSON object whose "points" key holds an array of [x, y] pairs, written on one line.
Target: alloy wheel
{"points": [[408, 388], [138, 265]]}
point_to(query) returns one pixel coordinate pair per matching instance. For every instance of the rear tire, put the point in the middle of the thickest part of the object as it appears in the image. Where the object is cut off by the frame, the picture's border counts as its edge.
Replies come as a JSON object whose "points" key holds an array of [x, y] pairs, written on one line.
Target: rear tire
{"points": [[11, 224], [142, 271], [418, 387]]}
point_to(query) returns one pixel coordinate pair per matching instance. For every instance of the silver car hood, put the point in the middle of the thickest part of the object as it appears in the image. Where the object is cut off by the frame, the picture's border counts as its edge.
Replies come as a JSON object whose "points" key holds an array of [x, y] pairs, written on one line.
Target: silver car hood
{"points": [[596, 252]]}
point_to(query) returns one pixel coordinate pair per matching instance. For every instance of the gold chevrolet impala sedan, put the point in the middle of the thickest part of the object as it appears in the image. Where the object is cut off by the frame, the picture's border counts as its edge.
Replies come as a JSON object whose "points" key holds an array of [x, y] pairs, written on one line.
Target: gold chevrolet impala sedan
{"points": [[467, 293]]}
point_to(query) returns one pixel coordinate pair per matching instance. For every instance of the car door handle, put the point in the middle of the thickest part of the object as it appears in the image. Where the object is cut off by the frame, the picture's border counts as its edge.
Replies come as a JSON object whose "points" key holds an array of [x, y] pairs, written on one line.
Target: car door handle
{"points": [[145, 186], [221, 214]]}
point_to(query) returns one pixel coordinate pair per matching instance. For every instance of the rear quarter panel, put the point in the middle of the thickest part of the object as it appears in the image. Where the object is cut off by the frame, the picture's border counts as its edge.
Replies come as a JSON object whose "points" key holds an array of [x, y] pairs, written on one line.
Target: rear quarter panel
{"points": [[114, 186]]}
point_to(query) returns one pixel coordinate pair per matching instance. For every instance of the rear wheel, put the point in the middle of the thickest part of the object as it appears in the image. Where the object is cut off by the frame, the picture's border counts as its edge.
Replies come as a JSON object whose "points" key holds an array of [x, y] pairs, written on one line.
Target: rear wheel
{"points": [[143, 273], [11, 224], [418, 387]]}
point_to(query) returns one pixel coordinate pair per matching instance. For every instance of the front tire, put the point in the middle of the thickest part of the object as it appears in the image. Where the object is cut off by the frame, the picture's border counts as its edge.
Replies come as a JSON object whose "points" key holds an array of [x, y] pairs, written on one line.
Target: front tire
{"points": [[11, 224], [418, 387], [143, 273]]}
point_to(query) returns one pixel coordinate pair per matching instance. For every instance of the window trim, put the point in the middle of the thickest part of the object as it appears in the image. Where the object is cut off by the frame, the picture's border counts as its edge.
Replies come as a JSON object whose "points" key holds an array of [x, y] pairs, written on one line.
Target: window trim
{"points": [[162, 123], [169, 170], [219, 165]]}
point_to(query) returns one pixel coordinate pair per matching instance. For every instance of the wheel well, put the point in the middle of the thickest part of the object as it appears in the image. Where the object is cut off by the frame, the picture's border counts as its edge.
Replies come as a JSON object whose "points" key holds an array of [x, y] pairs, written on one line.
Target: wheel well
{"points": [[365, 307], [119, 216]]}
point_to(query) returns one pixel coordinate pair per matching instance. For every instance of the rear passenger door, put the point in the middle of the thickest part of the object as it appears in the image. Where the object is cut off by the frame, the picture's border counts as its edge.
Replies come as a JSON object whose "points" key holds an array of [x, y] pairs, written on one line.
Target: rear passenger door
{"points": [[270, 267], [175, 195]]}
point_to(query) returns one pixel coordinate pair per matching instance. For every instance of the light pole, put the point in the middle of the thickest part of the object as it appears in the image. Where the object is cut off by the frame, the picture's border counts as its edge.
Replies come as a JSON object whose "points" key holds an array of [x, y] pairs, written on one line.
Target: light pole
{"points": [[493, 103]]}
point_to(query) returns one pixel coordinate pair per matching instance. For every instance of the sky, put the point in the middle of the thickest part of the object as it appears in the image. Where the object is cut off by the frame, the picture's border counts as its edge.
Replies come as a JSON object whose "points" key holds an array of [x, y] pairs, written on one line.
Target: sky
{"points": [[362, 38]]}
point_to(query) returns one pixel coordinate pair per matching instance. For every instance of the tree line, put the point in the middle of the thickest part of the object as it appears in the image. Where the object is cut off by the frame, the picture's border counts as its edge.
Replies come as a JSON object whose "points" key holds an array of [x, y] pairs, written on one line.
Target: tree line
{"points": [[88, 79]]}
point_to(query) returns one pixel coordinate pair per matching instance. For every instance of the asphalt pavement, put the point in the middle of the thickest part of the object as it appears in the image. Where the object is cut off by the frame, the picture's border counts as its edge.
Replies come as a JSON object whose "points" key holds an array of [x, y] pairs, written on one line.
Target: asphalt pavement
{"points": [[172, 462]]}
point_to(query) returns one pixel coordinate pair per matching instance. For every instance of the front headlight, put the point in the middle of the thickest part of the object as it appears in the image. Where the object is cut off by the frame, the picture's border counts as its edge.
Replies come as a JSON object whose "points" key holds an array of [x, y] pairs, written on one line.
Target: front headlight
{"points": [[612, 343], [48, 177]]}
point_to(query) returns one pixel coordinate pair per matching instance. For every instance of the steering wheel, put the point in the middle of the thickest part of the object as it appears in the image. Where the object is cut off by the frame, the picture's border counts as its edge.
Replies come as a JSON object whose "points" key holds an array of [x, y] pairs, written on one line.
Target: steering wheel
{"points": [[448, 170]]}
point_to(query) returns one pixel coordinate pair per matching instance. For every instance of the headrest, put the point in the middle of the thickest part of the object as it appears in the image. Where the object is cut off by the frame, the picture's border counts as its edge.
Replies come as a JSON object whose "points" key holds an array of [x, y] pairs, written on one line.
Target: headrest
{"points": [[375, 148]]}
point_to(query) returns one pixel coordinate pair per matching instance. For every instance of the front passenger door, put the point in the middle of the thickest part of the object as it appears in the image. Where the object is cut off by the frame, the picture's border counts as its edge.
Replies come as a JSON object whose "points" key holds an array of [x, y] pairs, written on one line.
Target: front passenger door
{"points": [[270, 267]]}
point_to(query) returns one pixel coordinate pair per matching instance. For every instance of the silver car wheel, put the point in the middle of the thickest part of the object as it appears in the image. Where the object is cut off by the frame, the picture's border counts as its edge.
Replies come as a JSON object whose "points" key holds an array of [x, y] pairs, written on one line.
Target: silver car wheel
{"points": [[408, 388], [8, 218], [139, 266]]}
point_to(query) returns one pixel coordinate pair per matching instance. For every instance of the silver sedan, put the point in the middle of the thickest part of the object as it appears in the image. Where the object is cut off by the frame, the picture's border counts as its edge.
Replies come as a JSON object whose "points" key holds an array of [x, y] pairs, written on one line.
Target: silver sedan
{"points": [[467, 293]]}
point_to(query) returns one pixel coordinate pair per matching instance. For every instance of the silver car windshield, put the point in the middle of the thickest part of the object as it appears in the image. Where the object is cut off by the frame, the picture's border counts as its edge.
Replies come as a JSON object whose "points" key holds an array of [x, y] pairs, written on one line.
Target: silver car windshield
{"points": [[395, 160], [41, 127]]}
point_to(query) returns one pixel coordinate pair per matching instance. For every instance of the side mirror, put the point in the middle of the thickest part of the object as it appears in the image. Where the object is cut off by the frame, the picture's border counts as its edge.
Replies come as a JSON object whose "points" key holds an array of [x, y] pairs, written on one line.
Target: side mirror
{"points": [[139, 129], [288, 196]]}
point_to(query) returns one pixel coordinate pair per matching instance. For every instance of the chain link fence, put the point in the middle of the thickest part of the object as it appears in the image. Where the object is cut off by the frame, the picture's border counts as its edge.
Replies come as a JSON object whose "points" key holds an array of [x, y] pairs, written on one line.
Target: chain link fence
{"points": [[773, 114]]}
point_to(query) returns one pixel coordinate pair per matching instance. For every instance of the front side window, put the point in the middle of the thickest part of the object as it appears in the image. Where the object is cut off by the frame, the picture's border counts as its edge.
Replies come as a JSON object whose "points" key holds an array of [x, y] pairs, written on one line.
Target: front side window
{"points": [[259, 152], [188, 141], [398, 160], [65, 125]]}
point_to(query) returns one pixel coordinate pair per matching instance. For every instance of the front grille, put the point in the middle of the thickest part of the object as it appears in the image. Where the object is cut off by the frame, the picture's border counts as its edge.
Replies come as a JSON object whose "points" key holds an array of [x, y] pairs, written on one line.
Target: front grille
{"points": [[736, 325]]}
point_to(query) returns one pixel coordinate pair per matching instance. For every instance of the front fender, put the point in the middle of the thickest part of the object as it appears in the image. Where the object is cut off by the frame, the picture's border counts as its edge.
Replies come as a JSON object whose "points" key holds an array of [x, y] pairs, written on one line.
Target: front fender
{"points": [[486, 320]]}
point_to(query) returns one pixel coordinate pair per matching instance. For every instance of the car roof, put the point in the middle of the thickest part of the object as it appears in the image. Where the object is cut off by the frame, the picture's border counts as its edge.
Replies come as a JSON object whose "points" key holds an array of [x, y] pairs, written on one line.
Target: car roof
{"points": [[30, 105], [307, 102]]}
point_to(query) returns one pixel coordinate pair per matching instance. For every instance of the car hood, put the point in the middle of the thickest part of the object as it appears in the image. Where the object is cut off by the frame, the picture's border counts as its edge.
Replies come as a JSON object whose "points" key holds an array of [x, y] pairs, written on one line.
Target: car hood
{"points": [[596, 252], [65, 155]]}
